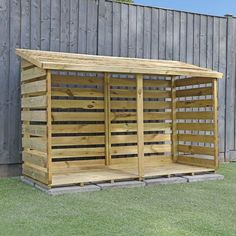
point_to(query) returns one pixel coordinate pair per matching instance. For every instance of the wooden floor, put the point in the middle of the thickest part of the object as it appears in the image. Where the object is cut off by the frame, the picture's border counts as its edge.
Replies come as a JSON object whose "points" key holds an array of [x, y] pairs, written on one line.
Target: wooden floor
{"points": [[124, 171]]}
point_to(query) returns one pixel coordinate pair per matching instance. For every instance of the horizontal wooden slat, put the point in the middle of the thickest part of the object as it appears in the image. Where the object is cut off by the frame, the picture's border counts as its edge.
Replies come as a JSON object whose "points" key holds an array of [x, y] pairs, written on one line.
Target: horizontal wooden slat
{"points": [[194, 103], [39, 144], [126, 150], [34, 88], [79, 104], [115, 116], [58, 166], [146, 83], [196, 150], [127, 127], [79, 80], [196, 138], [33, 116], [194, 92], [119, 116], [78, 152], [192, 81], [77, 92], [115, 139], [78, 128], [196, 161], [36, 130], [195, 126], [77, 140], [133, 105], [122, 93], [32, 73], [35, 173], [34, 102], [35, 157], [195, 115], [156, 83], [77, 116]]}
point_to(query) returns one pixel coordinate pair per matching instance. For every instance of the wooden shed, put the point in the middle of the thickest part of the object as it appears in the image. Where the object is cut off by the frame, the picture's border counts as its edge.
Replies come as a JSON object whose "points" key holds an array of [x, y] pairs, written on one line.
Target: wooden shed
{"points": [[97, 118]]}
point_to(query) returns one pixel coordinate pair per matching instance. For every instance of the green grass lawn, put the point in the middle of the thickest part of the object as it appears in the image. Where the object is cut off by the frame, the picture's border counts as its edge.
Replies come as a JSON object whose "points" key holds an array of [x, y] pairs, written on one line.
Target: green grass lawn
{"points": [[207, 208]]}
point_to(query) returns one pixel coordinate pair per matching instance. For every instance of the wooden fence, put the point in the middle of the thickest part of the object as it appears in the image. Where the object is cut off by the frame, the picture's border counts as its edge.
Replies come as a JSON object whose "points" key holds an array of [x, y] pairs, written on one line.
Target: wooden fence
{"points": [[108, 28]]}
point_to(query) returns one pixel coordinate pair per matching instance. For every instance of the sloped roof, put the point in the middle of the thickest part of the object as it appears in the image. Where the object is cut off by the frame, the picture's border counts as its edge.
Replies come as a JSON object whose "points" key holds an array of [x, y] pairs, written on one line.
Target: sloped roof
{"points": [[91, 63]]}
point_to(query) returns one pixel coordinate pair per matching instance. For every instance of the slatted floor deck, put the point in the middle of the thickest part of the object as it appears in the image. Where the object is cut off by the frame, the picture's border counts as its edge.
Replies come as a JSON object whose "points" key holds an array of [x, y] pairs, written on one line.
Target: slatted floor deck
{"points": [[122, 172]]}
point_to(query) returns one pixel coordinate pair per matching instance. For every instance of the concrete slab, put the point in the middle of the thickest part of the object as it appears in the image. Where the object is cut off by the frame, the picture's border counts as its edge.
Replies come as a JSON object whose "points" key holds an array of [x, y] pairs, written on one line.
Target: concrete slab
{"points": [[73, 189], [171, 180], [26, 181], [123, 184], [205, 177]]}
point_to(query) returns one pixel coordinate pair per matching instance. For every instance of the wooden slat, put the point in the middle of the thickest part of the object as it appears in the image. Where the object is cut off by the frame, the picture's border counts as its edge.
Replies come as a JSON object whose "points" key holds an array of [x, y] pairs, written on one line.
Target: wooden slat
{"points": [[78, 116], [122, 93], [146, 83], [194, 92], [195, 126], [77, 140], [118, 116], [196, 161], [196, 150], [76, 92], [194, 103], [35, 157], [35, 173], [34, 88], [215, 120], [34, 102], [133, 138], [107, 113], [39, 144], [155, 148], [34, 116], [49, 127], [60, 166], [80, 80], [204, 115], [196, 138], [35, 130], [78, 152], [147, 105], [78, 128], [192, 81], [140, 124], [32, 73], [128, 127], [173, 113], [79, 104]]}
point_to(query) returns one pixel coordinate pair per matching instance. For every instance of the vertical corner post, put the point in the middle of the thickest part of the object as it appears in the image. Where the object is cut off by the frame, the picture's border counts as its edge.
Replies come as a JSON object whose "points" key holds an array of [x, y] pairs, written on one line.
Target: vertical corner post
{"points": [[49, 126], [173, 116], [215, 120], [107, 110], [140, 125]]}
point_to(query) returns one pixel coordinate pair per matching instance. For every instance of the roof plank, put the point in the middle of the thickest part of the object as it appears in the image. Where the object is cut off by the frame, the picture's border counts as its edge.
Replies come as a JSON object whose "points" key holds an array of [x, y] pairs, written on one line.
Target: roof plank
{"points": [[92, 63]]}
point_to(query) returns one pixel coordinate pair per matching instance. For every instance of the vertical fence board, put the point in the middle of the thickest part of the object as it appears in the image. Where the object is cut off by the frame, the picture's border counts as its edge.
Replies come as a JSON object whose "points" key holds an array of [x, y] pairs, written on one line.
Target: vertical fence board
{"points": [[13, 116], [4, 74]]}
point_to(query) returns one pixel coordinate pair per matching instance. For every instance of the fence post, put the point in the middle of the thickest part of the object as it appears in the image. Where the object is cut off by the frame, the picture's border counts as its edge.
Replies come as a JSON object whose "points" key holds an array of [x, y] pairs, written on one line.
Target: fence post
{"points": [[230, 89]]}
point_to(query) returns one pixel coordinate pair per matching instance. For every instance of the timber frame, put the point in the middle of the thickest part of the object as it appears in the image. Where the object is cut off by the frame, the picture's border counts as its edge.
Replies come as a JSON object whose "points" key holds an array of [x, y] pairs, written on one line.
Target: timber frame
{"points": [[96, 118]]}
